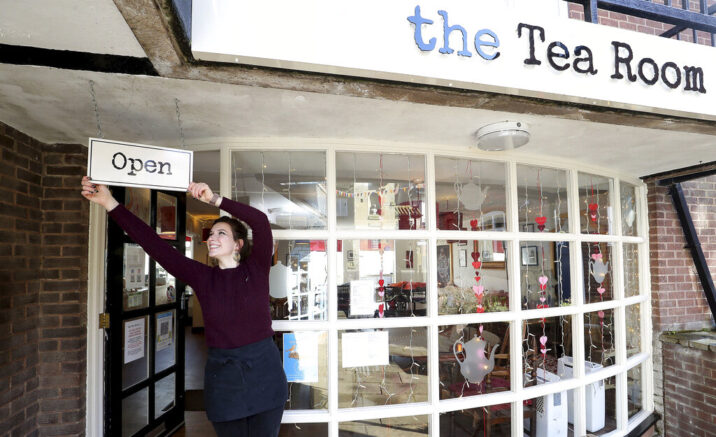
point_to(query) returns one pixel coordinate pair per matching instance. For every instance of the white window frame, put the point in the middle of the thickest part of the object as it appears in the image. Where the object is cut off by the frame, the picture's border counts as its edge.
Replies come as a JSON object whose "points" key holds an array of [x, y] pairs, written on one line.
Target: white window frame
{"points": [[434, 407]]}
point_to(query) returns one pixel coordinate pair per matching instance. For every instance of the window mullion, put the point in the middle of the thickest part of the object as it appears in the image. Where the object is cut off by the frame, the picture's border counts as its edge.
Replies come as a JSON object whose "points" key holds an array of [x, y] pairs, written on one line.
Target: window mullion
{"points": [[331, 250], [433, 343]]}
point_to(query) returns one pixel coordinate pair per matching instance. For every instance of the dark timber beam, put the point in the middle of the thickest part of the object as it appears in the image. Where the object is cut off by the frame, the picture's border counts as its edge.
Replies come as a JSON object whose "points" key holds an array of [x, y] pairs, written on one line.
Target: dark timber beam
{"points": [[678, 29]]}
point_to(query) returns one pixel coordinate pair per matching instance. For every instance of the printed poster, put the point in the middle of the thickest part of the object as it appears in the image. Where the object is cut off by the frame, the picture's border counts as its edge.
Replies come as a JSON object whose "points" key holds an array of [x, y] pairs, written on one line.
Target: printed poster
{"points": [[134, 268], [362, 298], [300, 356], [165, 333], [362, 349], [133, 340]]}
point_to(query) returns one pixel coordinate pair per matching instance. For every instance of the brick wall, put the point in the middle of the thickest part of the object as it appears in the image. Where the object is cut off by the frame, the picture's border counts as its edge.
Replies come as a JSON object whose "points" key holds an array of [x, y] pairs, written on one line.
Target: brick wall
{"points": [[622, 21], [690, 387], [43, 271]]}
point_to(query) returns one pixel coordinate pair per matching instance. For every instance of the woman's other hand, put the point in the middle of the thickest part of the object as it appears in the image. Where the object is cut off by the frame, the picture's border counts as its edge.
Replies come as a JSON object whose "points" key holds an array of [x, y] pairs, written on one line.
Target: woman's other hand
{"points": [[98, 193], [201, 191]]}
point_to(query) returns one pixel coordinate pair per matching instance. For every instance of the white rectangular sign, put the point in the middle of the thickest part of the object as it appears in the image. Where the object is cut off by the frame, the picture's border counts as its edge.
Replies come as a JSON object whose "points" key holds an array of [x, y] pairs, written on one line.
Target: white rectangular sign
{"points": [[360, 349], [133, 340], [519, 47], [139, 165]]}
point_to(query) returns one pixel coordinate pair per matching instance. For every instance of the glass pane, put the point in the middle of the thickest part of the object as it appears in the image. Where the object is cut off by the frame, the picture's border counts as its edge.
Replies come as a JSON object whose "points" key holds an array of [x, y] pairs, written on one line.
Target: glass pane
{"points": [[542, 199], [629, 214], [134, 351], [600, 399], [595, 210], [165, 347], [303, 430], [387, 427], [492, 420], [470, 195], [599, 339], [547, 416], [382, 367], [165, 291], [135, 412], [633, 329], [289, 186], [166, 216], [466, 282], [402, 267], [380, 191], [545, 274], [138, 201], [298, 280], [164, 394], [474, 359], [305, 361], [545, 344], [136, 278], [634, 390], [631, 269], [597, 269]]}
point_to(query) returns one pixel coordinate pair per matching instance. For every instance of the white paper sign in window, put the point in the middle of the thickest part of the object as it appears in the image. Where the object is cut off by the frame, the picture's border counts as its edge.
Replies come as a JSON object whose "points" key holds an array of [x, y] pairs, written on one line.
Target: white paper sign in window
{"points": [[133, 340], [361, 349]]}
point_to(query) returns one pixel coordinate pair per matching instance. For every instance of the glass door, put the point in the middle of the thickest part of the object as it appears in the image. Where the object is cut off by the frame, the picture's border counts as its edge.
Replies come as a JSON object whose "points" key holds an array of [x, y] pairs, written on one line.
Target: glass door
{"points": [[144, 346]]}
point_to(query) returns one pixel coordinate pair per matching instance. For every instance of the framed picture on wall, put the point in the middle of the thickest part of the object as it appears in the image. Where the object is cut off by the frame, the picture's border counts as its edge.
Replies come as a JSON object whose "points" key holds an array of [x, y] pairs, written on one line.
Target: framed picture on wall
{"points": [[529, 256], [463, 258]]}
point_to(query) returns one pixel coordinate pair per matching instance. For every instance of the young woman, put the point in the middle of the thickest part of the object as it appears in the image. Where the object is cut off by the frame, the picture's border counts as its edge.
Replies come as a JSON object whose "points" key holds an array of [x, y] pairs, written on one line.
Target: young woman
{"points": [[245, 386]]}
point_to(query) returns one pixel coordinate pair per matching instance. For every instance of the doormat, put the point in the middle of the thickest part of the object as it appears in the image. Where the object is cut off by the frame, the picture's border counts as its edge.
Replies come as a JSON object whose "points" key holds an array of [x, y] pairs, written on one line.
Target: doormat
{"points": [[194, 400]]}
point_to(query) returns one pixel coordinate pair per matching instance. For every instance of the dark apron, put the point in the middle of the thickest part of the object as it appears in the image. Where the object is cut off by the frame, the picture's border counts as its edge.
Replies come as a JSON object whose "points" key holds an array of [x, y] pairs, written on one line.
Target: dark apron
{"points": [[244, 381]]}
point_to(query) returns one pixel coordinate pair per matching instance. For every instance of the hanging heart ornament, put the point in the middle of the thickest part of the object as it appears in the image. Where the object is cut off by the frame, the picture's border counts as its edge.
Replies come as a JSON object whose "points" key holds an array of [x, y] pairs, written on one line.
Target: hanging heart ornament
{"points": [[543, 282], [541, 222], [473, 224], [593, 207]]}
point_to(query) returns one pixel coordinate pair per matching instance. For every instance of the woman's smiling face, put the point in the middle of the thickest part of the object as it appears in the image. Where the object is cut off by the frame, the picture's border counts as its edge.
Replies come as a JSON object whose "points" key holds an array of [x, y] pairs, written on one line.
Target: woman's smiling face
{"points": [[221, 241]]}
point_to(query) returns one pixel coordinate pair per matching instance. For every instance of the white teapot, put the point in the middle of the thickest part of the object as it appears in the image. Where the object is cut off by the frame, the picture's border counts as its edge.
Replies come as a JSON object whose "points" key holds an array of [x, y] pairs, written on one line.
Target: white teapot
{"points": [[476, 365]]}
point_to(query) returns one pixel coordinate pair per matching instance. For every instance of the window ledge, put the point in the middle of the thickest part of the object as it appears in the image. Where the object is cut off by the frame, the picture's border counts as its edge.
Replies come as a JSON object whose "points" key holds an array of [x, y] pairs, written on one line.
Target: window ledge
{"points": [[704, 340]]}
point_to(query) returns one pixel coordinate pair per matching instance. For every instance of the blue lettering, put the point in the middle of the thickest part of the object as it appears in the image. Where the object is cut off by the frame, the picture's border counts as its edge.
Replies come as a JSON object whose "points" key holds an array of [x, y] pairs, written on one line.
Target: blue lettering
{"points": [[479, 42], [447, 30], [418, 21]]}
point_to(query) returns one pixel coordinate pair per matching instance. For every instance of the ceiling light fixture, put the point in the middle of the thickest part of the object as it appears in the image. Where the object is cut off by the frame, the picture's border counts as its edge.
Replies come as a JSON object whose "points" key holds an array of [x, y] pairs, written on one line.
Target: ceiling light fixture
{"points": [[504, 135]]}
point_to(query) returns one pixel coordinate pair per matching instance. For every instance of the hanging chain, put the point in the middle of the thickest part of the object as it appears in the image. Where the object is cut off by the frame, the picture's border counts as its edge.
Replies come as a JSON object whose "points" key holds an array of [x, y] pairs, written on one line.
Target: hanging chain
{"points": [[96, 111], [181, 129]]}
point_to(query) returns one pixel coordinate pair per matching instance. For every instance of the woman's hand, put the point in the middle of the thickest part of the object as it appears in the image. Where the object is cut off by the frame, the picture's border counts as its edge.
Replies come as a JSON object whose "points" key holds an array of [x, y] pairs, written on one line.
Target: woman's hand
{"points": [[98, 193], [201, 191]]}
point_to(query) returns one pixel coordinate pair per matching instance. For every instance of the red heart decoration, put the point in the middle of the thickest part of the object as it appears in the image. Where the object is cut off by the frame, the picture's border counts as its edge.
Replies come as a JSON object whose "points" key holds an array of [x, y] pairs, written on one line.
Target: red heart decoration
{"points": [[381, 282], [477, 265], [593, 207], [480, 309], [473, 224], [541, 220], [380, 310], [543, 287], [477, 278], [540, 227]]}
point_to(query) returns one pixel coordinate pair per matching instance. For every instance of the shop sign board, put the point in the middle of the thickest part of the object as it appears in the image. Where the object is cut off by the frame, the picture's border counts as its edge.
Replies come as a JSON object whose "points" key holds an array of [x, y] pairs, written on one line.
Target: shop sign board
{"points": [[518, 47], [139, 165]]}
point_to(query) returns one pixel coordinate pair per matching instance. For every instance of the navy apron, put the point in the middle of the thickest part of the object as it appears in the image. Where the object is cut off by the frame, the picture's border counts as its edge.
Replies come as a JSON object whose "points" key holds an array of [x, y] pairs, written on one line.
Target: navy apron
{"points": [[244, 381]]}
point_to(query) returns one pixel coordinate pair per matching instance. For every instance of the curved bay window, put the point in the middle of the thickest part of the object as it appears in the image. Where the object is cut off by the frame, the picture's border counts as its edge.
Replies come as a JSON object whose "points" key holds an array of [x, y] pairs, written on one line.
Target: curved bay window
{"points": [[430, 294]]}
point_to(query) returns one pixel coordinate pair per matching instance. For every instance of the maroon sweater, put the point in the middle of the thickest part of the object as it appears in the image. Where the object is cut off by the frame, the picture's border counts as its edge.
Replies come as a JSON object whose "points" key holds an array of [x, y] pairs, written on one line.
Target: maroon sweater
{"points": [[234, 302]]}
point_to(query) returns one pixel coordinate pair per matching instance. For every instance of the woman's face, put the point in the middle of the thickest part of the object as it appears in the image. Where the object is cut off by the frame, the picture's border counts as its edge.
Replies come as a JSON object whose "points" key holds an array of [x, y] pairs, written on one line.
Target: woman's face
{"points": [[221, 241]]}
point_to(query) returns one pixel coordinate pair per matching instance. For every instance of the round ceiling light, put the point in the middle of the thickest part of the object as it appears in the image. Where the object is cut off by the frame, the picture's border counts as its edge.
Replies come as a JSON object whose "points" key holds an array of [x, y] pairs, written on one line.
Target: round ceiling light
{"points": [[504, 135]]}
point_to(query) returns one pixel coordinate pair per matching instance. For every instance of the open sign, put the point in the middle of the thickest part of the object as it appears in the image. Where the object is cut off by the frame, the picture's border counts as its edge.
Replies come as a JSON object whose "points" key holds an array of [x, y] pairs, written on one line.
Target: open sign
{"points": [[139, 165]]}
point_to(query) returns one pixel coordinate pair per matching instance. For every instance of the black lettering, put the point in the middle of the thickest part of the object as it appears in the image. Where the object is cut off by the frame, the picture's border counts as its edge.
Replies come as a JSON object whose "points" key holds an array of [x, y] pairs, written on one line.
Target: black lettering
{"points": [[665, 77], [654, 69], [552, 53], [589, 59], [150, 166], [619, 60], [694, 77], [124, 160], [165, 164], [531, 60], [134, 167]]}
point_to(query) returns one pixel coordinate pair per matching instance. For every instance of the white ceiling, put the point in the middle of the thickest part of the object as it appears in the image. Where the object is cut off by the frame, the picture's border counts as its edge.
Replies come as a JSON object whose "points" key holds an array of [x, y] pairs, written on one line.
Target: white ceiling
{"points": [[93, 26], [55, 105]]}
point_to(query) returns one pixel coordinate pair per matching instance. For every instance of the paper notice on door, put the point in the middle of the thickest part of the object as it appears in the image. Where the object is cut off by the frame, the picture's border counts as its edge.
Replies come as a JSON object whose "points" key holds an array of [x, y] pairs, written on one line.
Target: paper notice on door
{"points": [[133, 340], [134, 268], [165, 333], [300, 356], [365, 349], [362, 298]]}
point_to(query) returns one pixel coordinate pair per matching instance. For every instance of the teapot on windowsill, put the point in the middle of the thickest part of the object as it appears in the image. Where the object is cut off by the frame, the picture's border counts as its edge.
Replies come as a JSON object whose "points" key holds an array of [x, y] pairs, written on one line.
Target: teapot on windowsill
{"points": [[476, 365]]}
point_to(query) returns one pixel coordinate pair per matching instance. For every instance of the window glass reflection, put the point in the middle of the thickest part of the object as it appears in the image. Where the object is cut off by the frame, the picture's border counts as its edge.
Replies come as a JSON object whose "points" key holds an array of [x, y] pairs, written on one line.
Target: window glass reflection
{"points": [[381, 278], [545, 274], [298, 280], [631, 269], [289, 186], [595, 210], [382, 367], [488, 421], [634, 392], [380, 191], [633, 329], [546, 348], [472, 276], [305, 361], [387, 427], [599, 341], [542, 199], [303, 430], [166, 216], [470, 195], [474, 359], [597, 265], [629, 214], [135, 292]]}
